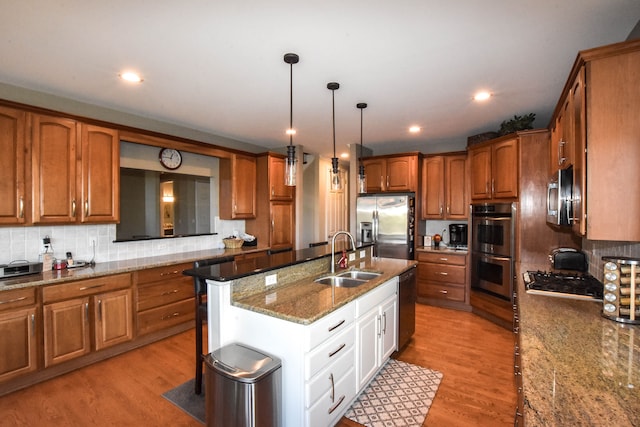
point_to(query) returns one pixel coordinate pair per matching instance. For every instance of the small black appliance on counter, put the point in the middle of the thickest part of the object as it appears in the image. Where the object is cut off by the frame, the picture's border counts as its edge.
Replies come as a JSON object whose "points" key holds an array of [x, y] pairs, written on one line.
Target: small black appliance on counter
{"points": [[568, 259], [458, 235]]}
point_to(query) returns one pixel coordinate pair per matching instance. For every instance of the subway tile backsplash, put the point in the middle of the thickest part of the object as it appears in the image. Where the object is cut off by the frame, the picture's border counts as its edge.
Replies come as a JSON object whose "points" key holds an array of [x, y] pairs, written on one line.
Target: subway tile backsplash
{"points": [[25, 243], [596, 249]]}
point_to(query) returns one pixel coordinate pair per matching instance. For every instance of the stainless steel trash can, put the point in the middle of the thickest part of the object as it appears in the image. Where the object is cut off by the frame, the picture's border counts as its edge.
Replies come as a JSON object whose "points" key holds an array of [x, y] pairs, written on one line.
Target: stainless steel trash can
{"points": [[242, 387]]}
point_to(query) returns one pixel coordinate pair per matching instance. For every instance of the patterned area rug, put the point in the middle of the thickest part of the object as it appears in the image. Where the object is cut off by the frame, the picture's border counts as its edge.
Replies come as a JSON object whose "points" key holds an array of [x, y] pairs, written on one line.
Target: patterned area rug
{"points": [[400, 395]]}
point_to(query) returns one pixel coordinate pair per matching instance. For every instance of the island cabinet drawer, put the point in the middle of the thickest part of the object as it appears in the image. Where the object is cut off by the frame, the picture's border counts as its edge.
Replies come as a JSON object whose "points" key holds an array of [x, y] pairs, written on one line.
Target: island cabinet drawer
{"points": [[441, 273], [374, 297], [321, 383], [163, 273], [17, 298], [329, 351], [442, 258], [334, 402], [442, 291], [162, 293], [85, 287], [330, 325], [166, 316]]}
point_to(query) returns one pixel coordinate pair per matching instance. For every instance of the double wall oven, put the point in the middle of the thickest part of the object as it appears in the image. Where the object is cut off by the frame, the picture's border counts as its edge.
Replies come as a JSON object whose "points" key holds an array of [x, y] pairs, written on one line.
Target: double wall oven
{"points": [[492, 248]]}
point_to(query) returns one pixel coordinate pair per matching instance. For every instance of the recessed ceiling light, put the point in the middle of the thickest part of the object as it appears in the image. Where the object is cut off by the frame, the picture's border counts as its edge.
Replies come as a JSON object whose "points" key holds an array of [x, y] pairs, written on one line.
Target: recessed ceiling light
{"points": [[415, 129], [131, 77], [481, 96]]}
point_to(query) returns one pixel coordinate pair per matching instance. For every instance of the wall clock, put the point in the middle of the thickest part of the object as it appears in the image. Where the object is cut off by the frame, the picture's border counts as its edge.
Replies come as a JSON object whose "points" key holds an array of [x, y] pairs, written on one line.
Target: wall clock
{"points": [[170, 158]]}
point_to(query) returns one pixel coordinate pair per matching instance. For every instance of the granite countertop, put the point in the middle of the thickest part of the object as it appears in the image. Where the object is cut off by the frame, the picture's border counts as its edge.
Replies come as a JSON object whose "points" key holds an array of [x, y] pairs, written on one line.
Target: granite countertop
{"points": [[116, 267], [578, 368], [305, 301]]}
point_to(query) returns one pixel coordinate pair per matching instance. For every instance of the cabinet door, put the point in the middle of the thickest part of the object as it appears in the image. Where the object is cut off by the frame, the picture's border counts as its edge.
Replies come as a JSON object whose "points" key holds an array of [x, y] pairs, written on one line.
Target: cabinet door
{"points": [[53, 169], [504, 169], [278, 191], [12, 166], [282, 225], [457, 196], [480, 164], [376, 173], [579, 158], [238, 187], [66, 330], [389, 324], [18, 343], [368, 348], [100, 174], [433, 188], [402, 173], [114, 318]]}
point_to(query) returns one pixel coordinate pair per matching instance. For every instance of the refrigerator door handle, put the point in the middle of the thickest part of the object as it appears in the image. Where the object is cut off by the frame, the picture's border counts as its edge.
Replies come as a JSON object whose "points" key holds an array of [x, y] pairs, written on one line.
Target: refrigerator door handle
{"points": [[375, 226]]}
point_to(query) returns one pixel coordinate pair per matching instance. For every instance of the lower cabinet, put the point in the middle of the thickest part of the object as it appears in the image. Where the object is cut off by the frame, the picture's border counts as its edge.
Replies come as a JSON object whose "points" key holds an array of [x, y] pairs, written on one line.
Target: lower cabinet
{"points": [[442, 278], [18, 337], [84, 316]]}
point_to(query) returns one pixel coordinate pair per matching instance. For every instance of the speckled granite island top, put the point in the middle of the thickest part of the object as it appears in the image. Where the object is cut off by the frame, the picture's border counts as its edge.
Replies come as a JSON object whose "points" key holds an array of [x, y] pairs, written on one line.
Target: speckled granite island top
{"points": [[578, 368]]}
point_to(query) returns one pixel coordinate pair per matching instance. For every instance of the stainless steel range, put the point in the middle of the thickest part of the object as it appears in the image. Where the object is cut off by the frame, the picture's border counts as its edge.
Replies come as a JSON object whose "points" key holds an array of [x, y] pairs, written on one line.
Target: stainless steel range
{"points": [[574, 285]]}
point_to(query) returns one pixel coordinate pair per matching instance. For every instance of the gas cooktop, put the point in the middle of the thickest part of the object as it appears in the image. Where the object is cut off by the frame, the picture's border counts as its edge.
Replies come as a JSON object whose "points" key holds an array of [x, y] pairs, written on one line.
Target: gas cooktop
{"points": [[565, 285]]}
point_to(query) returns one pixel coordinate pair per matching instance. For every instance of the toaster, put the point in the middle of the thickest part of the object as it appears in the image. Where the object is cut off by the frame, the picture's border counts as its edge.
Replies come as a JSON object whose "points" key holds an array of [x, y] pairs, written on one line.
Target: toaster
{"points": [[568, 259]]}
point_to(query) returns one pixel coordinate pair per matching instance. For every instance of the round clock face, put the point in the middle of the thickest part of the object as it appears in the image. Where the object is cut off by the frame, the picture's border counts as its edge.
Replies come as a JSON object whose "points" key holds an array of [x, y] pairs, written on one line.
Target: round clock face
{"points": [[170, 158]]}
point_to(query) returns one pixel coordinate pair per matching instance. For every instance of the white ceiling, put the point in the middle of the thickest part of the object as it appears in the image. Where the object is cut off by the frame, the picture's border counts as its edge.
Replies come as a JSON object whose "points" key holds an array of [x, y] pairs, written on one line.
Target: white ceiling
{"points": [[217, 66]]}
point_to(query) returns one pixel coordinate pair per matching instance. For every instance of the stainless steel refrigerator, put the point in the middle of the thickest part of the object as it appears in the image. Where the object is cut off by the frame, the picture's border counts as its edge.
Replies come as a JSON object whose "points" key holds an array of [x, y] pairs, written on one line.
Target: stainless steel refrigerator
{"points": [[387, 221]]}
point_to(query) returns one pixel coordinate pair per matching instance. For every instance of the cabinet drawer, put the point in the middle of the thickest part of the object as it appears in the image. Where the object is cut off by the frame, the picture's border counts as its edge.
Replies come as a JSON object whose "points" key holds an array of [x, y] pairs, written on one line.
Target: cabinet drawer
{"points": [[441, 273], [320, 384], [441, 291], [17, 298], [155, 295], [330, 325], [166, 316], [376, 296], [155, 274], [326, 411], [85, 287], [329, 351], [441, 258]]}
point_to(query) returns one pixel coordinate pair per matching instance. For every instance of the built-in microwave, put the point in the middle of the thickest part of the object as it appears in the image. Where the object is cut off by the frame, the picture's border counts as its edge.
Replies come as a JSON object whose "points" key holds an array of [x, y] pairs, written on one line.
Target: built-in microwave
{"points": [[559, 197]]}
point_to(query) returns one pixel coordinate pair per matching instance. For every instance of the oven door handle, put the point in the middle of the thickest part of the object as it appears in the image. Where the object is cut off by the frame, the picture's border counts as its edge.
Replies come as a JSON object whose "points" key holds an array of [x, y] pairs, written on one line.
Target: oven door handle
{"points": [[494, 257]]}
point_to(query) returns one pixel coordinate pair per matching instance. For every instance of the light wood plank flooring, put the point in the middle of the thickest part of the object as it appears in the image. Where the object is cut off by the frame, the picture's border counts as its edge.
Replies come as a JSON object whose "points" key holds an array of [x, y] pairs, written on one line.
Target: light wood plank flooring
{"points": [[475, 356]]}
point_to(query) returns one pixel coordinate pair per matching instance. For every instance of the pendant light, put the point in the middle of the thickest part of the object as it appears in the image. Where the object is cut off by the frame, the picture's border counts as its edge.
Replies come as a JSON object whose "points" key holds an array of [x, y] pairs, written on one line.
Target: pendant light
{"points": [[336, 182], [291, 163], [362, 178]]}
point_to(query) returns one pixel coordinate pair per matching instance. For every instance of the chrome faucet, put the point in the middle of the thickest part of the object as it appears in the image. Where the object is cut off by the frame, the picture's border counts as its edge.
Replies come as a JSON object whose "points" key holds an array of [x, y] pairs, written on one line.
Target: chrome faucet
{"points": [[333, 248]]}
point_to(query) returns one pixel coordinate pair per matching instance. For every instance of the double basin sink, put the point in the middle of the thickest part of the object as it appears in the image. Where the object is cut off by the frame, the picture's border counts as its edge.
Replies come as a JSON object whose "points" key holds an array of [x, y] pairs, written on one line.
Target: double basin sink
{"points": [[348, 279]]}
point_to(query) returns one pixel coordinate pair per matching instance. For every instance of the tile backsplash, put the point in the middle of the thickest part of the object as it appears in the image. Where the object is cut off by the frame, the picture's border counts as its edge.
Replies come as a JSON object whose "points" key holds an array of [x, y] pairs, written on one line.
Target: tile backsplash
{"points": [[596, 249], [25, 243]]}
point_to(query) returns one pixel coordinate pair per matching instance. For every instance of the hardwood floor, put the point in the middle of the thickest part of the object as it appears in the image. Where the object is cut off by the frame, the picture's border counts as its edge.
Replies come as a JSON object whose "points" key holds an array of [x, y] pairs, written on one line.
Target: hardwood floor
{"points": [[475, 356]]}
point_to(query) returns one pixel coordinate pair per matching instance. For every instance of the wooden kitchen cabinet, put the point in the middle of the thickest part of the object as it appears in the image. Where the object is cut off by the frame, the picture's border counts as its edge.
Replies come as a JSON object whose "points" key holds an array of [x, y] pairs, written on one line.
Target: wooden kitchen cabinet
{"points": [[12, 166], [62, 193], [277, 189], [238, 187], [86, 315], [442, 278], [494, 169], [165, 297], [18, 333], [394, 173], [444, 187]]}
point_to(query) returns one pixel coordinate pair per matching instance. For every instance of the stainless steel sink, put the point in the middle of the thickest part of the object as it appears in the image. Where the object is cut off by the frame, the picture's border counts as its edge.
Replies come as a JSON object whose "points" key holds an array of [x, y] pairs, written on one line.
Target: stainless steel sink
{"points": [[340, 282], [363, 275]]}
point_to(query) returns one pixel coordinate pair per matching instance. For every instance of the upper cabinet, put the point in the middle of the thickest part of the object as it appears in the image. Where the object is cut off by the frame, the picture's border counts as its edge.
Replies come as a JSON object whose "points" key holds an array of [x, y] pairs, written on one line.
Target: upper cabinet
{"points": [[445, 192], [277, 189], [238, 187], [394, 173], [494, 169], [62, 193], [601, 104], [12, 166]]}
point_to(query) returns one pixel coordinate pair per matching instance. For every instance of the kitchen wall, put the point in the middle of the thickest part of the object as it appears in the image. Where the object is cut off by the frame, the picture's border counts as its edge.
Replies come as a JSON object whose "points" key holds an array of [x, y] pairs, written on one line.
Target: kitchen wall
{"points": [[25, 243], [596, 249]]}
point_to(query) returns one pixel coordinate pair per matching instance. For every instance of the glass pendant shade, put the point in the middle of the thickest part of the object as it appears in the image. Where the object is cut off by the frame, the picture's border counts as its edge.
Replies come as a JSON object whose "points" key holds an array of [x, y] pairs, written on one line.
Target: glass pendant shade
{"points": [[290, 167], [362, 181], [336, 179], [291, 163]]}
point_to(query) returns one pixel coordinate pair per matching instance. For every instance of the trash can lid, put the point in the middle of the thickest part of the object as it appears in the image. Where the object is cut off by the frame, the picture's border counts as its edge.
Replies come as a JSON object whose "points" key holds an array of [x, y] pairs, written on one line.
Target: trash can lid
{"points": [[242, 363]]}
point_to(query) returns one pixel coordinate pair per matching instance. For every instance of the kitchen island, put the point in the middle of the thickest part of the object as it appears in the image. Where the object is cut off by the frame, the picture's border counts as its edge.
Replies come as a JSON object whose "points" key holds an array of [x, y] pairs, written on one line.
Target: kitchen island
{"points": [[578, 368], [331, 340]]}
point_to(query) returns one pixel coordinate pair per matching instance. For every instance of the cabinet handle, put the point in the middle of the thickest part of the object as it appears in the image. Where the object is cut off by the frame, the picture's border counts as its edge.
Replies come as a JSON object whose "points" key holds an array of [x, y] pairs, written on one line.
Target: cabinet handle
{"points": [[273, 191], [379, 325], [73, 207], [333, 388], [381, 182], [561, 157], [387, 182], [84, 288], [493, 186], [169, 273], [100, 310], [175, 291], [443, 273], [440, 210], [334, 407], [86, 208], [444, 259], [448, 209], [86, 311], [21, 213], [384, 328], [13, 300], [170, 316], [337, 325], [443, 291], [33, 325], [336, 351]]}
